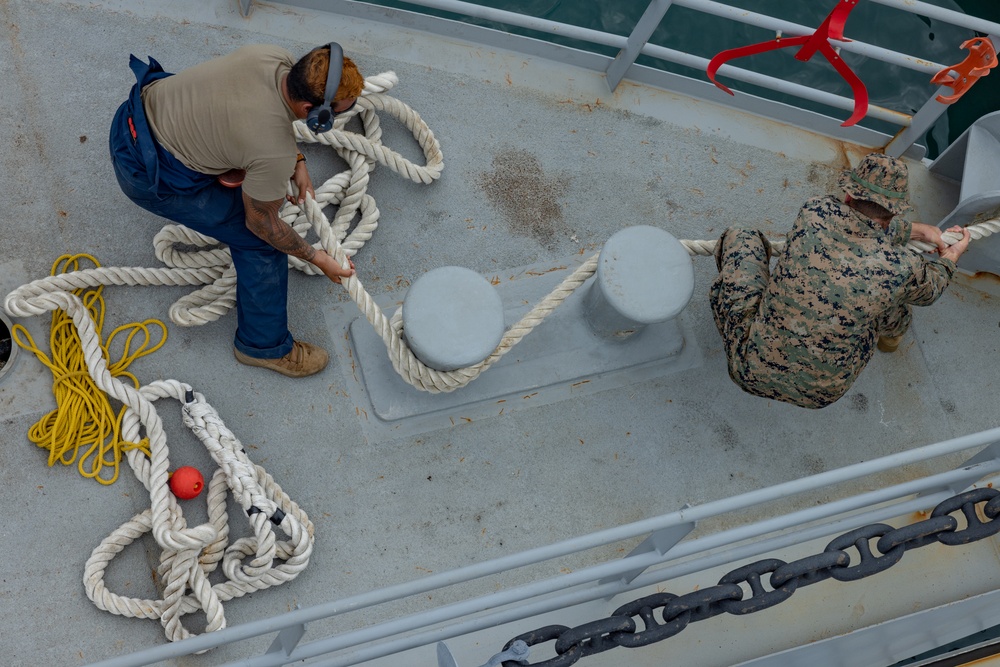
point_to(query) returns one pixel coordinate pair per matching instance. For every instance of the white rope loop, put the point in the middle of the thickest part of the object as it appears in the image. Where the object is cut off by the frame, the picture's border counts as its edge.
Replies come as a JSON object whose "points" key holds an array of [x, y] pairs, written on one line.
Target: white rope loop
{"points": [[33, 298], [190, 554], [164, 519], [406, 364]]}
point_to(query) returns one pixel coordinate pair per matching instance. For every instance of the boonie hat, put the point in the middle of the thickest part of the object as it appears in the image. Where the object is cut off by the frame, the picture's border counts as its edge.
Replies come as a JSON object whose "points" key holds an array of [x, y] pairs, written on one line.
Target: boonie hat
{"points": [[881, 179]]}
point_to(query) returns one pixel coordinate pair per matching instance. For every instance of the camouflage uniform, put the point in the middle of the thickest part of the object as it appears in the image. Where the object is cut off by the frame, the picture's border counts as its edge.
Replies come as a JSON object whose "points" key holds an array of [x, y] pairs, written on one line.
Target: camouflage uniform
{"points": [[803, 334]]}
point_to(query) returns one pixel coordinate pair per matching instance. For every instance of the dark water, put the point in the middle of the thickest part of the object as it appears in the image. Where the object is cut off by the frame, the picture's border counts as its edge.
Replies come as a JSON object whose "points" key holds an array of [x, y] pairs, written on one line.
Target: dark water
{"points": [[895, 88]]}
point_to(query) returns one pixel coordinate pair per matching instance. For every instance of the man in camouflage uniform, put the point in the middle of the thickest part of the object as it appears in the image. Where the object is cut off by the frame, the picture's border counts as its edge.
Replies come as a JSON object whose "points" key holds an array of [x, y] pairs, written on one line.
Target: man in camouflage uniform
{"points": [[803, 333]]}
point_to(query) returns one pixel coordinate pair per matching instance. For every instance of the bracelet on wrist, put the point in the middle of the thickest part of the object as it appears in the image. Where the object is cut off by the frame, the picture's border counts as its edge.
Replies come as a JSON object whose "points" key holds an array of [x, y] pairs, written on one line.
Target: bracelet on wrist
{"points": [[300, 158]]}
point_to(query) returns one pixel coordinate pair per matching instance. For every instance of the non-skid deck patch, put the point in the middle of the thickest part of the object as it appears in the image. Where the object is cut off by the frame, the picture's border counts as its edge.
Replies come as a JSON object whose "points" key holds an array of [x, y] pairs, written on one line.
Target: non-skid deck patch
{"points": [[561, 358]]}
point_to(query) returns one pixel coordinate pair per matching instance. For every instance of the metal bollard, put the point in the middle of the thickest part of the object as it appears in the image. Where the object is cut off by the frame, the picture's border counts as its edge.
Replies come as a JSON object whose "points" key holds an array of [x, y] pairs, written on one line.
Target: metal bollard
{"points": [[452, 318], [644, 276]]}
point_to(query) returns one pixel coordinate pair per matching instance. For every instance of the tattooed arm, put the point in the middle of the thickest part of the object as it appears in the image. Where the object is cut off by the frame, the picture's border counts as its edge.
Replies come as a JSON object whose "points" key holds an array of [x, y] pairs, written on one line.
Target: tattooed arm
{"points": [[262, 219]]}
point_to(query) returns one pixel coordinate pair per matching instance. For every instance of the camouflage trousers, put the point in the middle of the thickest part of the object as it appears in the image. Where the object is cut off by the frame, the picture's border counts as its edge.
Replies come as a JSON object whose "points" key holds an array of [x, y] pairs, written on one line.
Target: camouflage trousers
{"points": [[743, 259]]}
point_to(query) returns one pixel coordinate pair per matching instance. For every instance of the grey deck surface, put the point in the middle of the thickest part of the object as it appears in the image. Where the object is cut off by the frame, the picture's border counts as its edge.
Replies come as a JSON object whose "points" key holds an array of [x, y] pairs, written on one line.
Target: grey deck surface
{"points": [[538, 167]]}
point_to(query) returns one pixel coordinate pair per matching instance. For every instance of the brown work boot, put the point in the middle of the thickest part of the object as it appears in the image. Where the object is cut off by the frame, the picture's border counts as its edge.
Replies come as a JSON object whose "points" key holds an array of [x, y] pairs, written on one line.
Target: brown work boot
{"points": [[304, 359], [888, 343]]}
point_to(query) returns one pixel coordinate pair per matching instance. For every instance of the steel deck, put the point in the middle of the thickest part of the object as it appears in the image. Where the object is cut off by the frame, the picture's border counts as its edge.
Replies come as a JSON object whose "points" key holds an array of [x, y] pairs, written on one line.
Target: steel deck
{"points": [[541, 163]]}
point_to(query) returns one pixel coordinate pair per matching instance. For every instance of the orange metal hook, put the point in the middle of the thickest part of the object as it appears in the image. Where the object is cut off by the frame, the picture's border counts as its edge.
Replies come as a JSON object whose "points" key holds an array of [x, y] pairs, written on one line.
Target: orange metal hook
{"points": [[981, 59]]}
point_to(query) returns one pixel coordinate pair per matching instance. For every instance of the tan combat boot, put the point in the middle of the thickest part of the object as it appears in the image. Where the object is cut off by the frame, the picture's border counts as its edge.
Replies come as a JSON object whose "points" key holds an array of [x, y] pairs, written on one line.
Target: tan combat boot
{"points": [[304, 359], [888, 343]]}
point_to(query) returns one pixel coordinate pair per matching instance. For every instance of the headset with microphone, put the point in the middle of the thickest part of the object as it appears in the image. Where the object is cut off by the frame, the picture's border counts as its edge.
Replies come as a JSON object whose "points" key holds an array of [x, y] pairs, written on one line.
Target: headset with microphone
{"points": [[320, 119]]}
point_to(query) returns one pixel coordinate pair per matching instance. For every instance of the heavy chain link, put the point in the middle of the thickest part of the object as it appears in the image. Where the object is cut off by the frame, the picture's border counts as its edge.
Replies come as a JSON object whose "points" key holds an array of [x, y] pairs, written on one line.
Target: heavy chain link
{"points": [[676, 612]]}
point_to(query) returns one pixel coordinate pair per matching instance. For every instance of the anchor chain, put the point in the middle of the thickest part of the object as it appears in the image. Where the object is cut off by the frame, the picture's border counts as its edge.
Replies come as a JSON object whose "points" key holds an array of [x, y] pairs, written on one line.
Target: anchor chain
{"points": [[664, 615]]}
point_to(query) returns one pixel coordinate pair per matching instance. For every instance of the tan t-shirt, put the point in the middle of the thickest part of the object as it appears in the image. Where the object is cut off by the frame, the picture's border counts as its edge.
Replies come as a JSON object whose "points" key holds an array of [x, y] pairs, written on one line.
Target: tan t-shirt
{"points": [[228, 113]]}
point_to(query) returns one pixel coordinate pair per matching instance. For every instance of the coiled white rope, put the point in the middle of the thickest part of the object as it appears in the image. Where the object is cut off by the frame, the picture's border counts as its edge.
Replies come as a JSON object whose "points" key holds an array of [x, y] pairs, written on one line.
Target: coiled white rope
{"points": [[348, 191], [190, 554]]}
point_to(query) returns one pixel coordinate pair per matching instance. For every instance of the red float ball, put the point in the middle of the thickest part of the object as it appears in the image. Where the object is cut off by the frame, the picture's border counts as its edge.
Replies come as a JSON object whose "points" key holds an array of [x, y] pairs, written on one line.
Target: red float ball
{"points": [[186, 482]]}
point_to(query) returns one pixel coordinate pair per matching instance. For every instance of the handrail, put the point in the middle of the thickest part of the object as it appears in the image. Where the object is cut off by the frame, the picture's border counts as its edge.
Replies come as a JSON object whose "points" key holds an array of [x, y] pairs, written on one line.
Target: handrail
{"points": [[778, 25], [522, 21], [536, 597], [928, 490], [911, 131], [911, 127], [778, 85], [942, 14]]}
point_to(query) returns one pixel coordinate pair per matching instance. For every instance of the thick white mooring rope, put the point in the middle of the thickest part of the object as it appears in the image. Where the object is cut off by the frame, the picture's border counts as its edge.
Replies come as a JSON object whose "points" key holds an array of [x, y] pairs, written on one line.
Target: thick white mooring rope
{"points": [[347, 190], [979, 230], [190, 554], [417, 374]]}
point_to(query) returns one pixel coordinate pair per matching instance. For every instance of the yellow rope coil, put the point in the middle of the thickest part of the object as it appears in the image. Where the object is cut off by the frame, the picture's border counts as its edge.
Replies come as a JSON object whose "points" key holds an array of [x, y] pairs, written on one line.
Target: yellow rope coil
{"points": [[83, 417]]}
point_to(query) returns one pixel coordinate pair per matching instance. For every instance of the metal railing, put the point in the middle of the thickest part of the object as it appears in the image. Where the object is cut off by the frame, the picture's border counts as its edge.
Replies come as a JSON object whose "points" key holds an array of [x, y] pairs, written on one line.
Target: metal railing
{"points": [[660, 557], [908, 128]]}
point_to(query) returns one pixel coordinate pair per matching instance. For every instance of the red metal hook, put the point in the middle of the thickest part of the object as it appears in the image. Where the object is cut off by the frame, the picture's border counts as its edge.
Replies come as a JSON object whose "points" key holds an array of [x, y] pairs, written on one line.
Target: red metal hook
{"points": [[831, 28], [981, 59]]}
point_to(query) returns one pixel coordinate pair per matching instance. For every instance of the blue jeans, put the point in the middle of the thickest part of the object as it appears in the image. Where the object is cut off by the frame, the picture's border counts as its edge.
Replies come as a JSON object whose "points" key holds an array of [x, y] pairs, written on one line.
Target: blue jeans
{"points": [[197, 201]]}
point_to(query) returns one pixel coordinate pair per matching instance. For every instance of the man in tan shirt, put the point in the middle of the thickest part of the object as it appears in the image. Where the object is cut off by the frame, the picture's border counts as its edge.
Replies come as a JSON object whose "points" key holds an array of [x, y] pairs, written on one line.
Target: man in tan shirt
{"points": [[213, 148]]}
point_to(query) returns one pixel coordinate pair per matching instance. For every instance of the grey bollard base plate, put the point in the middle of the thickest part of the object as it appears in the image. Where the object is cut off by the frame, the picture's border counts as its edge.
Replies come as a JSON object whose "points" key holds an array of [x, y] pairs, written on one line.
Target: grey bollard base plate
{"points": [[560, 359]]}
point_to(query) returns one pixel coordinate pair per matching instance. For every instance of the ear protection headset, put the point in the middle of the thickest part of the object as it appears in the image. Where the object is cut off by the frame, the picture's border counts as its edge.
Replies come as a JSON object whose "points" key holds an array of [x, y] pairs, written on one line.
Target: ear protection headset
{"points": [[320, 119]]}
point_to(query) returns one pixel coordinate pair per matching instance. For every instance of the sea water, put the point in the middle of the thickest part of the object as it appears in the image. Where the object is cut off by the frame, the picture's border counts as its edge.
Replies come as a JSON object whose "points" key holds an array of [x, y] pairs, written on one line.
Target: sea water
{"points": [[703, 35]]}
